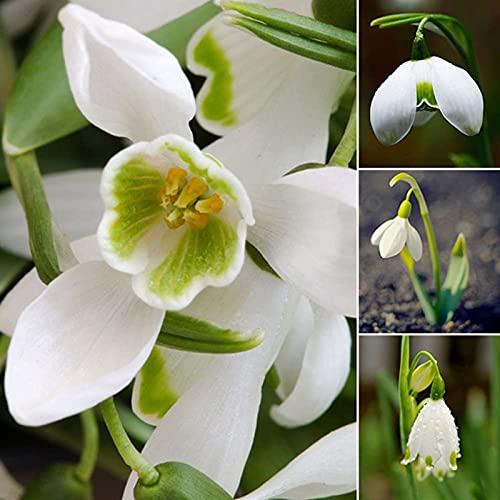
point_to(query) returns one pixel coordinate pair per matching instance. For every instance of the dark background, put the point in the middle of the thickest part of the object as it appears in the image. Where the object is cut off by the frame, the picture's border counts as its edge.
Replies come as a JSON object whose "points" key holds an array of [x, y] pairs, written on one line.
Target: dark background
{"points": [[382, 51]]}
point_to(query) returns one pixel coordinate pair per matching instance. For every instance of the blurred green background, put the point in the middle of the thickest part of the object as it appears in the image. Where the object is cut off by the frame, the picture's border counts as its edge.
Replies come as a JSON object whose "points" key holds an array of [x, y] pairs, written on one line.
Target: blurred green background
{"points": [[382, 51], [466, 366]]}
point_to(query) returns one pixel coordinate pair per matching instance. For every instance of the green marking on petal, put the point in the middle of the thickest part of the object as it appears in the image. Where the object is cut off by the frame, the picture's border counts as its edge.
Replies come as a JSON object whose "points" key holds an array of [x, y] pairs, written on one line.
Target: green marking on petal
{"points": [[216, 105], [200, 253], [428, 461], [425, 94], [136, 188], [407, 454], [216, 183], [155, 395], [453, 459]]}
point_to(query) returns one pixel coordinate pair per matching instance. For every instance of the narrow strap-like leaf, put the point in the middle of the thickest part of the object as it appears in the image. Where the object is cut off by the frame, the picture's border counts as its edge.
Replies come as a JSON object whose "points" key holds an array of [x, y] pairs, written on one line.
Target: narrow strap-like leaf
{"points": [[295, 23], [311, 49]]}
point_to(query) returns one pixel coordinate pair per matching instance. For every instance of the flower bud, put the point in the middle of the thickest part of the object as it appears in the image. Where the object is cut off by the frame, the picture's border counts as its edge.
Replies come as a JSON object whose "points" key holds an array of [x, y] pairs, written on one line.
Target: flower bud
{"points": [[58, 482], [422, 377], [182, 482]]}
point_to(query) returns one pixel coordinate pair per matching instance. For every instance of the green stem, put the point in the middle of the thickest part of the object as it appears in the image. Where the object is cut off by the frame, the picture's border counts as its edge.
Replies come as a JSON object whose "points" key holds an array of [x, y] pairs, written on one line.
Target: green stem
{"points": [[46, 244], [406, 407], [419, 50], [90, 452], [148, 475], [496, 408], [431, 238], [423, 297], [347, 146]]}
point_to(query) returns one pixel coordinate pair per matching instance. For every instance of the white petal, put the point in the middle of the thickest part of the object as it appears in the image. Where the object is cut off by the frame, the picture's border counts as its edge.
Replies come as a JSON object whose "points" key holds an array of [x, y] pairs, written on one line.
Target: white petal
{"points": [[394, 238], [379, 232], [81, 341], [23, 294], [143, 16], [325, 469], [74, 200], [393, 107], [292, 129], [10, 489], [309, 238], [289, 360], [122, 81], [423, 117], [243, 72], [241, 306], [414, 243], [212, 425], [325, 368], [458, 96]]}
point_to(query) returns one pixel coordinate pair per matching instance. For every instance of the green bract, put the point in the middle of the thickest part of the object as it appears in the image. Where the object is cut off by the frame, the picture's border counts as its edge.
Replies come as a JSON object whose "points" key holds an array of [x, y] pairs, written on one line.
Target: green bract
{"points": [[180, 482]]}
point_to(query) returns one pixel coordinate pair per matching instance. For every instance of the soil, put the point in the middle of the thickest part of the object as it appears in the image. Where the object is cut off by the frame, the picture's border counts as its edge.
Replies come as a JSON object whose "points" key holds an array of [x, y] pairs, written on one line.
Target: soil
{"points": [[459, 201]]}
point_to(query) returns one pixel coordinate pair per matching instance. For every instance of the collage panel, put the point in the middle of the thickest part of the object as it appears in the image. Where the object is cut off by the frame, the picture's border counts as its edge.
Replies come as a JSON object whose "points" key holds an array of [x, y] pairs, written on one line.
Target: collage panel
{"points": [[429, 83], [178, 249], [428, 417], [434, 233]]}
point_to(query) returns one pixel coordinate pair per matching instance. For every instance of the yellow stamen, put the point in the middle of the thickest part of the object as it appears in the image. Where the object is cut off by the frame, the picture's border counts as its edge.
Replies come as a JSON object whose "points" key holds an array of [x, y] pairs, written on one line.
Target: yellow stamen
{"points": [[195, 188], [195, 219], [212, 205], [175, 218], [175, 178]]}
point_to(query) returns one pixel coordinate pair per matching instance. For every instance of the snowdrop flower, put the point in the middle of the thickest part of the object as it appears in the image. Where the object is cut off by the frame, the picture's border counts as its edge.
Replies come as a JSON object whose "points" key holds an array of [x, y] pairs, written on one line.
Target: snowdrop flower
{"points": [[416, 91], [434, 441], [71, 321], [394, 234]]}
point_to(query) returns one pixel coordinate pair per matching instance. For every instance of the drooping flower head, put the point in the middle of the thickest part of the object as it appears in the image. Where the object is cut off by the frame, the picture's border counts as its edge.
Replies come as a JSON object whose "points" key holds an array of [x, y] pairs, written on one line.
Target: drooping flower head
{"points": [[416, 91], [433, 441], [392, 236]]}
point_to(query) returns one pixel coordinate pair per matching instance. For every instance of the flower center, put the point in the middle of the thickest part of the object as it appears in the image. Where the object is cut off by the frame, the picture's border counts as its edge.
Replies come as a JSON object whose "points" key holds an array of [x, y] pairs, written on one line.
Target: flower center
{"points": [[181, 198]]}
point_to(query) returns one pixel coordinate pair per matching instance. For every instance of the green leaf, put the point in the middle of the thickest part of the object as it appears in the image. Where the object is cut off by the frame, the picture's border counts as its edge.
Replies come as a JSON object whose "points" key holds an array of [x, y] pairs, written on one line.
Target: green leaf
{"points": [[41, 108], [456, 279], [312, 49], [294, 23], [191, 334]]}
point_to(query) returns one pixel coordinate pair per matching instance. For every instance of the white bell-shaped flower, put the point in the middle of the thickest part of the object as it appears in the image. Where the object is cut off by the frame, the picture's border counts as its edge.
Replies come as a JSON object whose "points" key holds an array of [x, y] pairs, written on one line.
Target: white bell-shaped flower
{"points": [[394, 234], [417, 90], [433, 441]]}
